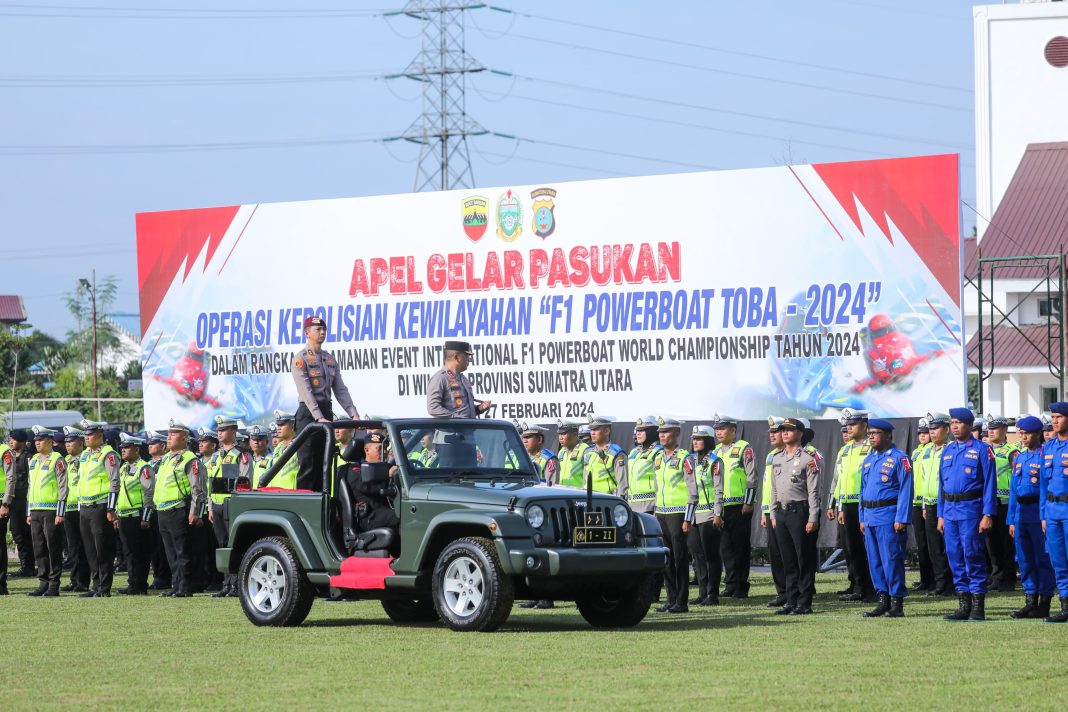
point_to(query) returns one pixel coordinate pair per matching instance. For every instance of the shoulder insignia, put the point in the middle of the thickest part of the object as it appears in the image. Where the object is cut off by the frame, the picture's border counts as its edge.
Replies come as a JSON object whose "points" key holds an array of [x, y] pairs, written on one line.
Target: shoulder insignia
{"points": [[747, 455], [146, 472], [300, 363], [244, 458], [7, 458], [194, 465], [111, 459]]}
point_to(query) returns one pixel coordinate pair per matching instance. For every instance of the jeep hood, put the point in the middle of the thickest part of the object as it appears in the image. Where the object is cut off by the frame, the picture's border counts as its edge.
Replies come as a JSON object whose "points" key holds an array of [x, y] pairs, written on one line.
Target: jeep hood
{"points": [[498, 494]]}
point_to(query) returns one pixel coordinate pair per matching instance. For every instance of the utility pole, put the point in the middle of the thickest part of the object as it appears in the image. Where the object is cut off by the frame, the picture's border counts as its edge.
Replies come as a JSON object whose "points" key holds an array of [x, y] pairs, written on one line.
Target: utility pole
{"points": [[91, 288], [442, 65]]}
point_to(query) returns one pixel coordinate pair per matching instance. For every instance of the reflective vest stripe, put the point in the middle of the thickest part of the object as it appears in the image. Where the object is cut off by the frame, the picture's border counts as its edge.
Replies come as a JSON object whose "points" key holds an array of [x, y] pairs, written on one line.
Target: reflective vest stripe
{"points": [[43, 491]]}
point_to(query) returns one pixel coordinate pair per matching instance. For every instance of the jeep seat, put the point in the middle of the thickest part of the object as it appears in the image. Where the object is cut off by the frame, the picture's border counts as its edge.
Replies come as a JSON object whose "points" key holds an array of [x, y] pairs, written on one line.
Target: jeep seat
{"points": [[348, 516], [374, 540]]}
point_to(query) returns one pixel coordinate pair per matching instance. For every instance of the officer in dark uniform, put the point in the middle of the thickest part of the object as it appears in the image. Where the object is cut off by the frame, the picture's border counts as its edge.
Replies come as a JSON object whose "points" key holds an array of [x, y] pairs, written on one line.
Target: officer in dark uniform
{"points": [[448, 392], [317, 376], [202, 573], [14, 507], [795, 516], [1025, 524], [373, 510], [156, 442]]}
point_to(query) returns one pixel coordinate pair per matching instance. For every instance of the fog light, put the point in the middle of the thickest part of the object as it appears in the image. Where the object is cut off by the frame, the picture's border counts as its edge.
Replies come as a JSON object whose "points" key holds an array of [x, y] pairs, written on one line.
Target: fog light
{"points": [[532, 563]]}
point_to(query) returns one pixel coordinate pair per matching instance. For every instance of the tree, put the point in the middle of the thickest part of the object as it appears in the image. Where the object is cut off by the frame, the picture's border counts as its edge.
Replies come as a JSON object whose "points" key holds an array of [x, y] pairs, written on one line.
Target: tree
{"points": [[79, 347]]}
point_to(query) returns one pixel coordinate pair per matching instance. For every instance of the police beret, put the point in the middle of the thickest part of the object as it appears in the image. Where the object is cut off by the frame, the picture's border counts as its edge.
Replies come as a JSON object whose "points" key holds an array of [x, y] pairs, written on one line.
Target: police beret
{"points": [[90, 426], [257, 431], [722, 421], [792, 424], [222, 421], [648, 421], [206, 434], [703, 431], [880, 424], [127, 440], [936, 419], [1029, 424], [314, 321], [283, 417], [996, 421], [461, 346], [567, 426], [40, 432], [668, 424], [964, 415], [599, 421], [1060, 407]]}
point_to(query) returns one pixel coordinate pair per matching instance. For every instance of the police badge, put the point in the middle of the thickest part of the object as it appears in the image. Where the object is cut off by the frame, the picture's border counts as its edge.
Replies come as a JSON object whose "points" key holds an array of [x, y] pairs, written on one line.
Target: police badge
{"points": [[544, 221], [509, 217]]}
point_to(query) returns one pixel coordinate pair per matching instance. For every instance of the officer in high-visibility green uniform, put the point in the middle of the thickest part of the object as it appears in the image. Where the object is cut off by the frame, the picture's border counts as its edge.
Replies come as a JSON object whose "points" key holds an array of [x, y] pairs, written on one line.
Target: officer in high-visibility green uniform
{"points": [[74, 439], [177, 495], [426, 454], [156, 442], [703, 537], [571, 453], [928, 466], [133, 524], [544, 460], [999, 545], [260, 455], [203, 575], [638, 483], [923, 437], [584, 434], [286, 476], [220, 484], [47, 497], [604, 461], [98, 493], [7, 472], [739, 497], [845, 502], [774, 557], [676, 506]]}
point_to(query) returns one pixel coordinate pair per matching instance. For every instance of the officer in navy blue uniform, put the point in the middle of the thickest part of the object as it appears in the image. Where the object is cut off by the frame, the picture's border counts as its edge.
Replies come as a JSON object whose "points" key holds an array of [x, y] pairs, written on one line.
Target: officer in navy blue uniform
{"points": [[967, 504], [1025, 527], [885, 511], [1053, 503]]}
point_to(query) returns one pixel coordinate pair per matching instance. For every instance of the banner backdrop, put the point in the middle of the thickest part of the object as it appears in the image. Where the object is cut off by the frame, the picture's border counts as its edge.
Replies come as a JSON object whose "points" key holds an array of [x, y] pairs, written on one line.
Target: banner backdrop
{"points": [[793, 290]]}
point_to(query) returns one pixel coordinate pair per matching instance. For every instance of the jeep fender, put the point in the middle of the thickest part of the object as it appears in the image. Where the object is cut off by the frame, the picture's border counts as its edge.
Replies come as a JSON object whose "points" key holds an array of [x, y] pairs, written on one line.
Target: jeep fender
{"points": [[647, 528], [291, 525], [499, 526]]}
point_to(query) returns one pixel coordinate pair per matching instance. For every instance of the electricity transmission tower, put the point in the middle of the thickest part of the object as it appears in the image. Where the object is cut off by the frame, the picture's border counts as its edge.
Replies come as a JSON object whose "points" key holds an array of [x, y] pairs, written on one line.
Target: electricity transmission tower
{"points": [[442, 65]]}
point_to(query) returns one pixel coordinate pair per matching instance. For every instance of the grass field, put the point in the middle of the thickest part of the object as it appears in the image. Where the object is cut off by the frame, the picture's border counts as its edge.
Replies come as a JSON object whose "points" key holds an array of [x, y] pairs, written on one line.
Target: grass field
{"points": [[148, 653]]}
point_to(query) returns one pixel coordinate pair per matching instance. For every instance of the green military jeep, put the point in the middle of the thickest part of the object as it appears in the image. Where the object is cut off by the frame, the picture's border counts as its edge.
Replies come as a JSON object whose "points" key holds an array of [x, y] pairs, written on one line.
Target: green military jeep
{"points": [[476, 531]]}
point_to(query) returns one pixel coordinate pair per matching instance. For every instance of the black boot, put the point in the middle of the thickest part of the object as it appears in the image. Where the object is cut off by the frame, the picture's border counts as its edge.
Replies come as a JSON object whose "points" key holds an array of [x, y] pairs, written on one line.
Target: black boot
{"points": [[964, 608], [978, 607], [897, 605], [222, 593], [777, 602], [39, 591], [1061, 617], [1030, 606], [1042, 610], [880, 609], [53, 591]]}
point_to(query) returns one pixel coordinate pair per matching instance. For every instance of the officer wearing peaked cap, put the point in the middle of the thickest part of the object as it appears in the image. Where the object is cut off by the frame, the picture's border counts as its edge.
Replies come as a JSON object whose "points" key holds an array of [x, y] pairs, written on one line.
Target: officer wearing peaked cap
{"points": [[1053, 503], [927, 464], [202, 572], [738, 494], [219, 487], [704, 535], [571, 453], [156, 440], [637, 484], [1047, 426], [676, 502], [79, 567], [259, 442], [999, 547], [795, 511], [317, 375], [1036, 572], [16, 462], [923, 437], [47, 496], [604, 461], [778, 576], [286, 476], [133, 526], [845, 497], [98, 494], [449, 393], [544, 460]]}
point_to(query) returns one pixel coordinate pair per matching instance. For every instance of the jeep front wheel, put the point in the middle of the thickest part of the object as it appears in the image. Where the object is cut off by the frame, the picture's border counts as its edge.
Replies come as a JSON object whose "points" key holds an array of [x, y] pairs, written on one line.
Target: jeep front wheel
{"points": [[274, 590], [470, 588], [617, 609]]}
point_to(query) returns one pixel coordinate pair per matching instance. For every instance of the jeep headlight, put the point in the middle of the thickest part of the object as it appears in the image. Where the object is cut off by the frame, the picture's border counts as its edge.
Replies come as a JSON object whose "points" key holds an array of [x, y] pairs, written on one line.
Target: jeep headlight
{"points": [[620, 515], [535, 516]]}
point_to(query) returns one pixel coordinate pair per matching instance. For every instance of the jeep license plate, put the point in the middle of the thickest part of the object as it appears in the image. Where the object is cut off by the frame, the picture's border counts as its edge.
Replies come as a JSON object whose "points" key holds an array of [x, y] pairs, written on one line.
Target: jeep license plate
{"points": [[594, 535]]}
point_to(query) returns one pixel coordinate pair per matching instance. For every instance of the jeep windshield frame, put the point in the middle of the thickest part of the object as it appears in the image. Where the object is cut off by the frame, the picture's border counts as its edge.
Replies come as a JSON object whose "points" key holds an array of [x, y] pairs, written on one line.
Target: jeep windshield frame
{"points": [[460, 449]]}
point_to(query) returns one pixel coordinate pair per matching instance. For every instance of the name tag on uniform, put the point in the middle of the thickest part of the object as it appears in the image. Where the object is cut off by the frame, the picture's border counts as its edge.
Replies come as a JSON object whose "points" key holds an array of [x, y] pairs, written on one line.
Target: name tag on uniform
{"points": [[947, 457], [971, 456]]}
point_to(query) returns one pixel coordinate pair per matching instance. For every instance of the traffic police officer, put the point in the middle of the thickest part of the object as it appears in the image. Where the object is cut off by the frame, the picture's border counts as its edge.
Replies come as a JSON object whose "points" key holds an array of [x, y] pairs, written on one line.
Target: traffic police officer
{"points": [[17, 480], [845, 495], [928, 466], [177, 495], [316, 375], [7, 473], [676, 504], [219, 489], [1053, 503], [571, 453], [286, 476], [261, 458], [133, 525], [774, 557], [1047, 427], [999, 546], [604, 461], [967, 503], [1036, 572], [156, 442], [739, 485], [98, 494], [885, 510], [923, 437], [544, 460], [47, 500], [795, 512], [638, 483], [704, 535], [448, 392], [79, 568], [203, 575]]}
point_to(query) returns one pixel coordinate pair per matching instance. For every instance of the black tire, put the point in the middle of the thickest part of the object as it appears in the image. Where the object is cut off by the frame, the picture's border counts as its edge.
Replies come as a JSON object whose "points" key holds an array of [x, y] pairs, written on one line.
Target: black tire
{"points": [[421, 611], [617, 609], [486, 594], [274, 589]]}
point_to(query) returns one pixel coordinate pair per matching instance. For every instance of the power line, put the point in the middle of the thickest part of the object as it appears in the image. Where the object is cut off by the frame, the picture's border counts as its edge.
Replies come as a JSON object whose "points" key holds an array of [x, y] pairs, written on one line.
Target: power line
{"points": [[109, 149], [88, 82], [98, 12]]}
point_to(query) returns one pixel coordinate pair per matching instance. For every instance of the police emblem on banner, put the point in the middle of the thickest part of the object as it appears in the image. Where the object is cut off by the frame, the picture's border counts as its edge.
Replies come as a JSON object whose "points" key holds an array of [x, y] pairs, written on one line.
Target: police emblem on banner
{"points": [[544, 221], [509, 217], [476, 215]]}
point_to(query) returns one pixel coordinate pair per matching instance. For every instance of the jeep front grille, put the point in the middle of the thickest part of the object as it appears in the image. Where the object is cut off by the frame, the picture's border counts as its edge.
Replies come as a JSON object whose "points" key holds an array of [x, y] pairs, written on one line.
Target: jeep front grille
{"points": [[565, 519]]}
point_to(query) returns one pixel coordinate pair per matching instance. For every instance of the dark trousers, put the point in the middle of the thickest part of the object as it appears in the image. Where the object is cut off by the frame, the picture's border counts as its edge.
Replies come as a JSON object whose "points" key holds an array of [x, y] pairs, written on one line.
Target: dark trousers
{"points": [[79, 567], [220, 528], [139, 543], [799, 555], [20, 532], [924, 556], [3, 553], [310, 473], [941, 577], [703, 543], [175, 532], [856, 554], [98, 537], [47, 539], [1000, 551], [161, 569], [736, 548], [677, 572], [201, 573], [778, 577]]}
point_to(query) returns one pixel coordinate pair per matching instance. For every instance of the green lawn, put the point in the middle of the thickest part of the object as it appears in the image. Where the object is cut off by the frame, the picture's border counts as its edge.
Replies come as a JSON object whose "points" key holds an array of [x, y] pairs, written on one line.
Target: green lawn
{"points": [[148, 653]]}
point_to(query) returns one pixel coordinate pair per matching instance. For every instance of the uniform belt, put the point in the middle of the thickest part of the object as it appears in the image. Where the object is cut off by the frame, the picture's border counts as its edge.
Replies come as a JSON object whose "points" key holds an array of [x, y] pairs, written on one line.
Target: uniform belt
{"points": [[930, 501], [1003, 493], [1056, 497], [793, 506], [1027, 499], [671, 510], [849, 498], [41, 506], [734, 500], [877, 503], [964, 496], [166, 506], [641, 497], [704, 508], [95, 499]]}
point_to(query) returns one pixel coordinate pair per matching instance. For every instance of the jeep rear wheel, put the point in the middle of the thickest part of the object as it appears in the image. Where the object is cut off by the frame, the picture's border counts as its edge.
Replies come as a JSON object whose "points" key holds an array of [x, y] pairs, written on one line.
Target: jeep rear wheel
{"points": [[470, 588], [421, 611], [274, 590], [617, 609]]}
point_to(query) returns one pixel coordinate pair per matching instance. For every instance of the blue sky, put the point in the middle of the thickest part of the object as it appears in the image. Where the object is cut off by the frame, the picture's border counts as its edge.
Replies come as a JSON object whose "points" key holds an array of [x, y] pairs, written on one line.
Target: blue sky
{"points": [[648, 88]]}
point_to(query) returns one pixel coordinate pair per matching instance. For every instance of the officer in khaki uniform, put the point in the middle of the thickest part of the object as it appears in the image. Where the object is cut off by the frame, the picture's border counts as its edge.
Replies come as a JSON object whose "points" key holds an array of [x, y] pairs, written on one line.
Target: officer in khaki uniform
{"points": [[637, 484], [676, 505], [739, 487], [219, 489], [448, 392], [133, 525], [571, 454], [603, 460], [47, 499], [795, 515], [704, 535]]}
